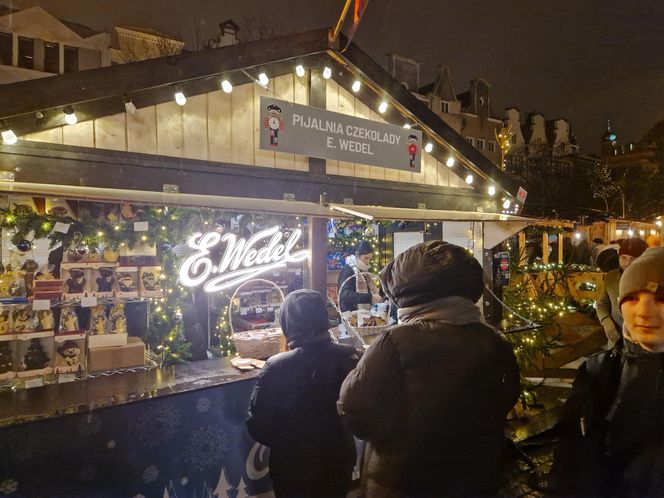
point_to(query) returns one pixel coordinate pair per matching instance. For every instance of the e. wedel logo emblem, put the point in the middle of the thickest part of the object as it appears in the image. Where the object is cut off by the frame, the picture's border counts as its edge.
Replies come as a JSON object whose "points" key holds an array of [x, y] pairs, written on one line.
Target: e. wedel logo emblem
{"points": [[241, 261]]}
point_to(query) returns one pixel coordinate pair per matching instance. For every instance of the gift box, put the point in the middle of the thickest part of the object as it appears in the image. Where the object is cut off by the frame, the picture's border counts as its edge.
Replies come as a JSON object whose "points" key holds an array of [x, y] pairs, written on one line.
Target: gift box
{"points": [[69, 352], [23, 320], [8, 356], [127, 281], [150, 282], [103, 281], [76, 278], [139, 255], [107, 340], [35, 353], [130, 355]]}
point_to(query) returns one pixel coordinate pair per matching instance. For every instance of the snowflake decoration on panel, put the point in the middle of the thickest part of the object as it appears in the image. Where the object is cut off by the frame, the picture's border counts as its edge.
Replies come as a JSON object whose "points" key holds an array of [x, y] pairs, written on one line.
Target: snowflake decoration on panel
{"points": [[150, 474], [8, 486], [203, 404], [206, 447], [157, 424]]}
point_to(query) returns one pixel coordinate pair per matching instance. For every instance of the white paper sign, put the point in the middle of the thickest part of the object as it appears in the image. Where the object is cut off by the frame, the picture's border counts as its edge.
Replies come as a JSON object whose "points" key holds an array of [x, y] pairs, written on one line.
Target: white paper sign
{"points": [[259, 310], [61, 227], [88, 302], [140, 226], [41, 304], [63, 378], [38, 382], [405, 240]]}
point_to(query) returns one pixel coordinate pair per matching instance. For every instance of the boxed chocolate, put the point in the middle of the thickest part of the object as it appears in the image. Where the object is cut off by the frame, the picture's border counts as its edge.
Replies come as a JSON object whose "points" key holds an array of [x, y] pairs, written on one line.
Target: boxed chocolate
{"points": [[69, 352], [150, 281], [35, 354], [103, 281], [108, 358], [127, 281], [8, 356], [76, 278], [23, 320], [5, 321]]}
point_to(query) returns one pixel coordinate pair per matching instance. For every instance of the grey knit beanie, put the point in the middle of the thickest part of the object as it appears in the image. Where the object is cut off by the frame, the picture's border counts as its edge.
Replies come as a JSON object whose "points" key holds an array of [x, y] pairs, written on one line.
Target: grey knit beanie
{"points": [[646, 273]]}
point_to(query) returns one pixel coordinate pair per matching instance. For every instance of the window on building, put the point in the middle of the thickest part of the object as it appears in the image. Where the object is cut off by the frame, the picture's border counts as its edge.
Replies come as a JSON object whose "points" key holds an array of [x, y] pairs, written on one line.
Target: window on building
{"points": [[26, 52], [514, 139], [6, 46], [71, 59], [480, 144], [51, 57], [471, 141], [444, 106], [492, 146]]}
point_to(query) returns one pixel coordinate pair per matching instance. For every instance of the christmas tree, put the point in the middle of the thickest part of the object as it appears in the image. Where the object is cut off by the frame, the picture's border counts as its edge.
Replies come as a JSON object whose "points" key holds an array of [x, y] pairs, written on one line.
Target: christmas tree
{"points": [[35, 358], [6, 362]]}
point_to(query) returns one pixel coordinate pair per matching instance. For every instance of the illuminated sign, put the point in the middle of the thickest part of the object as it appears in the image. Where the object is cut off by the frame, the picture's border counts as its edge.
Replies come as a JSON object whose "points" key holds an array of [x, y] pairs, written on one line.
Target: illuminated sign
{"points": [[242, 258]]}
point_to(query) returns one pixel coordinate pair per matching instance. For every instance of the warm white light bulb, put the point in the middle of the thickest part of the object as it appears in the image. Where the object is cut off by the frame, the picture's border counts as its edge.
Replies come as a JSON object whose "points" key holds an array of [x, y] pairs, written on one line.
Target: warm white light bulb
{"points": [[469, 179], [450, 162], [9, 137], [658, 223], [507, 204], [70, 118], [428, 147], [642, 233], [407, 126], [263, 79], [299, 70], [492, 190], [327, 73], [357, 84], [577, 235], [226, 86], [630, 232], [180, 99], [382, 107]]}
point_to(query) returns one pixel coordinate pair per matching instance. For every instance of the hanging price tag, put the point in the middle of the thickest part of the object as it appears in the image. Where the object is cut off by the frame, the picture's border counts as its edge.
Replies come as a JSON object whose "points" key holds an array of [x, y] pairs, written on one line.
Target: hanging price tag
{"points": [[63, 378], [140, 226], [34, 383], [88, 302], [61, 227]]}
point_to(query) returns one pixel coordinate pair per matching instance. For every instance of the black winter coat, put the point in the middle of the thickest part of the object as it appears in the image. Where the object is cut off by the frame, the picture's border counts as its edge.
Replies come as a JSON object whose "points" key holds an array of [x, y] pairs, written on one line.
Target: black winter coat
{"points": [[612, 427], [293, 411], [431, 398], [349, 298]]}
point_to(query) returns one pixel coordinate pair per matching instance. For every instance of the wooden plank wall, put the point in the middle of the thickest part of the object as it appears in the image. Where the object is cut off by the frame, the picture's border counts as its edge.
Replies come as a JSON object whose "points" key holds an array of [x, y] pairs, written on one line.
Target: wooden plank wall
{"points": [[225, 128]]}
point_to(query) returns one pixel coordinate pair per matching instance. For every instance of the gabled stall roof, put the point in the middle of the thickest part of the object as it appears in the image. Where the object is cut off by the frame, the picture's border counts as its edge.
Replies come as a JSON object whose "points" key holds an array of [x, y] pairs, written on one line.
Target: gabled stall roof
{"points": [[409, 214], [36, 105]]}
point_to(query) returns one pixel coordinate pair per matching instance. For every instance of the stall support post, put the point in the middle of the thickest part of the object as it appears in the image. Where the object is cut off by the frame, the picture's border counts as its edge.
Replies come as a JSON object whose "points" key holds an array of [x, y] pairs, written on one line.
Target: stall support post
{"points": [[545, 248], [318, 256], [560, 248], [493, 312]]}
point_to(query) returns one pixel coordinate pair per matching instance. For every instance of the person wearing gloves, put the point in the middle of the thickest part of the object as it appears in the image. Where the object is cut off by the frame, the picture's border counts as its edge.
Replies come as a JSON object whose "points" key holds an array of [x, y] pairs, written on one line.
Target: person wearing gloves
{"points": [[293, 405], [608, 311], [431, 394], [612, 425], [357, 290]]}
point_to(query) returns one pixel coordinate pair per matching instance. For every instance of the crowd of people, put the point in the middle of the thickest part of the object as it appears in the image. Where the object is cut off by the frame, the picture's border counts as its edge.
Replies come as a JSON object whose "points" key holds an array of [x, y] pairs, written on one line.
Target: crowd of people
{"points": [[430, 397]]}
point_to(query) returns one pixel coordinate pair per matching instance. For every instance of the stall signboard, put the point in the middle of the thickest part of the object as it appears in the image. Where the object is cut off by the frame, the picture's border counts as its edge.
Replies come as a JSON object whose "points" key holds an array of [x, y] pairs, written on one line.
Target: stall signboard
{"points": [[622, 225], [242, 259], [300, 129], [502, 269]]}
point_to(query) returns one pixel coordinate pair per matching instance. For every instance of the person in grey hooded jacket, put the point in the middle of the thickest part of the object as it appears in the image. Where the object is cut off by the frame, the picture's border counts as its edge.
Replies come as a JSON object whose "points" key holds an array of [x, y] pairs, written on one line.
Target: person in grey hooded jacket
{"points": [[431, 394], [293, 406]]}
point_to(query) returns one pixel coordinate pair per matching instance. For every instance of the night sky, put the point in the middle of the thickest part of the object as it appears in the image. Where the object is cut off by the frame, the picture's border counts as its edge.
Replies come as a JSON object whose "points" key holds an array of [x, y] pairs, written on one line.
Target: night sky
{"points": [[586, 60]]}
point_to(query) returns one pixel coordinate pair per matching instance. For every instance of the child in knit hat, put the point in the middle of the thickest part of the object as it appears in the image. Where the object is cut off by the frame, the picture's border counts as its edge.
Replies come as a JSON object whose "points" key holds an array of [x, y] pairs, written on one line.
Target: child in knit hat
{"points": [[642, 300]]}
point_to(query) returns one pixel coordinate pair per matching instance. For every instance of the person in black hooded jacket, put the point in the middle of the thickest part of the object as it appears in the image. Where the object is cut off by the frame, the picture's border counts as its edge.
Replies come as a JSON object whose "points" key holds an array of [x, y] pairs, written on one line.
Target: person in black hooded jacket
{"points": [[293, 406]]}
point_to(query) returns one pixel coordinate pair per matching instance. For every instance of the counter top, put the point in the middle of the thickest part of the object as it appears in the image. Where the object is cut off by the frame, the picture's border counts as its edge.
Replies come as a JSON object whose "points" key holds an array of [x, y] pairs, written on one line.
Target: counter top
{"points": [[40, 403]]}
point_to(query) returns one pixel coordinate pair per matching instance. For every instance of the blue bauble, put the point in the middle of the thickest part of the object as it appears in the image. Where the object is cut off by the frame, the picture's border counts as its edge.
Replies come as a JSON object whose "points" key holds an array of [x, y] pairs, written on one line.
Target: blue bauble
{"points": [[24, 245], [165, 246]]}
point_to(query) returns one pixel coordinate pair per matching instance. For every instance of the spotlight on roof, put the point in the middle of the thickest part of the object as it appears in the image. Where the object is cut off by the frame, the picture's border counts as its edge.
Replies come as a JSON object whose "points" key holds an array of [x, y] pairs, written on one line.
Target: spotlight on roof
{"points": [[491, 190], [506, 204], [469, 179], [180, 99], [327, 73], [263, 79], [382, 107], [70, 115], [226, 86], [428, 147], [357, 84], [299, 70], [9, 137], [450, 162]]}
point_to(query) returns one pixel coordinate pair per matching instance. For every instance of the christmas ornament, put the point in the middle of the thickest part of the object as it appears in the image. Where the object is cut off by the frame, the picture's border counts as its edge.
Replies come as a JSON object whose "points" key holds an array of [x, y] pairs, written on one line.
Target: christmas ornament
{"points": [[24, 245], [165, 246], [82, 248], [368, 232]]}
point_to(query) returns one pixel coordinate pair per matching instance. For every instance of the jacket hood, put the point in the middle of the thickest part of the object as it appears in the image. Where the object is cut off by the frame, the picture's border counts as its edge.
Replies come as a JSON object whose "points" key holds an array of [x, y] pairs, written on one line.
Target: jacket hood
{"points": [[432, 270], [303, 317]]}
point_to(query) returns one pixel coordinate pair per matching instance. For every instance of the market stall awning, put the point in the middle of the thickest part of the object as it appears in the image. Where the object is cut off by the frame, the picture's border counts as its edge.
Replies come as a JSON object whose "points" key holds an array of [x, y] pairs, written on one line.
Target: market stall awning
{"points": [[275, 206], [410, 214]]}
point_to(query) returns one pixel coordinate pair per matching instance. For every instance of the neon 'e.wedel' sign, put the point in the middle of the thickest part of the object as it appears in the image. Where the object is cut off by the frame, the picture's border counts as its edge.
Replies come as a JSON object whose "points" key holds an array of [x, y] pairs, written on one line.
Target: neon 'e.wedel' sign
{"points": [[242, 260]]}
